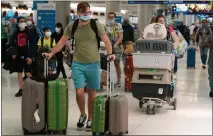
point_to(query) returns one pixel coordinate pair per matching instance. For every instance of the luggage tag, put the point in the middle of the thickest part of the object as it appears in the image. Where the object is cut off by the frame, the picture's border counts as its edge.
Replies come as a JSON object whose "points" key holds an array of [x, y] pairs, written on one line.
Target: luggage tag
{"points": [[37, 118]]}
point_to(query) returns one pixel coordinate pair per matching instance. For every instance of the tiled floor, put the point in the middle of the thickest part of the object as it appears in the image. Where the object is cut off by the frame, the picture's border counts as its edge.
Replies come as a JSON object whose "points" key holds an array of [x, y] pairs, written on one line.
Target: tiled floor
{"points": [[193, 115]]}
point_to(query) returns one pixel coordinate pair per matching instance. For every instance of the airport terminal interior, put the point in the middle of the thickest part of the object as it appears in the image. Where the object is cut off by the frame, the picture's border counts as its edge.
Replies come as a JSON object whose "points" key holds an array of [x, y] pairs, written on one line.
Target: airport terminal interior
{"points": [[193, 113]]}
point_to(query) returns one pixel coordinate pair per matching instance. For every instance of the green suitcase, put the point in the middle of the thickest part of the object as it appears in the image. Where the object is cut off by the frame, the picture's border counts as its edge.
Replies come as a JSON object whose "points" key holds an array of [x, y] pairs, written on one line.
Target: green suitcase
{"points": [[57, 106], [100, 115]]}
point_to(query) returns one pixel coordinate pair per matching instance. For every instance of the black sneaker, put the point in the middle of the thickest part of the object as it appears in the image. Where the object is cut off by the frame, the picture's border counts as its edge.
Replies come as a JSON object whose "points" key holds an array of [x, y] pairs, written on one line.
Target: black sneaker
{"points": [[19, 94], [211, 94], [81, 121], [89, 126]]}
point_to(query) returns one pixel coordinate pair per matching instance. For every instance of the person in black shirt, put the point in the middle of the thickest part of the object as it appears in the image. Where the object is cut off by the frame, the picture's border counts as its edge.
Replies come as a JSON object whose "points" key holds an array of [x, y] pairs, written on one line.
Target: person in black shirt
{"points": [[57, 36], [22, 58]]}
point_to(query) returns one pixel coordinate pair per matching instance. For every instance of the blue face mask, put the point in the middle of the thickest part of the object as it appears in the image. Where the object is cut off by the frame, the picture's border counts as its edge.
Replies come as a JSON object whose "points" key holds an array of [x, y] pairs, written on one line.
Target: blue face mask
{"points": [[85, 18], [111, 22]]}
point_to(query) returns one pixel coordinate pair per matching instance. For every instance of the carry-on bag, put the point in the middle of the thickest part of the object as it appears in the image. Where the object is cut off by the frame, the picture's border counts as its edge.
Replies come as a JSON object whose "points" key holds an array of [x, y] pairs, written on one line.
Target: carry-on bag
{"points": [[57, 105], [33, 107], [129, 69], [191, 57]]}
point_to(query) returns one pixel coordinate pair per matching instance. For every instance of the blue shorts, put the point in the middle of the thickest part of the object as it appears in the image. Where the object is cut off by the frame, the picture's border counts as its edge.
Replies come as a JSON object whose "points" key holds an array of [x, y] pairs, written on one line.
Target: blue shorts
{"points": [[86, 73]]}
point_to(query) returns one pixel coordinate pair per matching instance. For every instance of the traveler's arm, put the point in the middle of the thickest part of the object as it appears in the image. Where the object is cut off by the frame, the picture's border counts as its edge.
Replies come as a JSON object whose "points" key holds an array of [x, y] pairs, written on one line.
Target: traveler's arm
{"points": [[60, 44], [119, 39], [107, 42]]}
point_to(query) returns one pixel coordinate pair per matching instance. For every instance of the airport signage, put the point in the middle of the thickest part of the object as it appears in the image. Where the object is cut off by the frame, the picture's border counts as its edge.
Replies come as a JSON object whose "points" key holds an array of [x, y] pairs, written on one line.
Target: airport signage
{"points": [[35, 2], [46, 15]]}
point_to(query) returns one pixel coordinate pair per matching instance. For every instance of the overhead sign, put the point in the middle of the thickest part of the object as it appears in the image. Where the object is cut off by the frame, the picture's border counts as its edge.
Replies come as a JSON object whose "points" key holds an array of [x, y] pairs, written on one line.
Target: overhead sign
{"points": [[46, 16], [35, 2], [118, 18], [168, 2]]}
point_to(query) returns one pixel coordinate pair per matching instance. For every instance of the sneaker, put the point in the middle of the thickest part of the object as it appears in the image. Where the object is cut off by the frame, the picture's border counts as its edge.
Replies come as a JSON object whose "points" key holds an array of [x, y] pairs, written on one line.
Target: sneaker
{"points": [[19, 94], [211, 94], [204, 66], [81, 121], [118, 85], [89, 126]]}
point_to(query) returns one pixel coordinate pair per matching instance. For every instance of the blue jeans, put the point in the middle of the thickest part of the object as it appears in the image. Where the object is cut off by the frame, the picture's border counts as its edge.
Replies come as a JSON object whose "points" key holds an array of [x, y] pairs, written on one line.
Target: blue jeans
{"points": [[203, 54], [210, 77], [176, 65]]}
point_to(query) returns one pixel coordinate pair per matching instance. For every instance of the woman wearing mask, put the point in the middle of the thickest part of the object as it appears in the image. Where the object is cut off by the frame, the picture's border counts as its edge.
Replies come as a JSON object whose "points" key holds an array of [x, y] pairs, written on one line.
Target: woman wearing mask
{"points": [[57, 36], [171, 36]]}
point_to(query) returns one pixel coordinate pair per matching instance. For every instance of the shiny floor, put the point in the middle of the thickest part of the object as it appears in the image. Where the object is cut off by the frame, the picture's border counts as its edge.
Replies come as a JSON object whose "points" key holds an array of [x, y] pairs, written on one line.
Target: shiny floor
{"points": [[192, 117]]}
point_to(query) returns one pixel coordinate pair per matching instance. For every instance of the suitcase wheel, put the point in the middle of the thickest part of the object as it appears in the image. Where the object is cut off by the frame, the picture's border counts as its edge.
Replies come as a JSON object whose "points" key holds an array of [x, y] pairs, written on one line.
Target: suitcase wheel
{"points": [[64, 132], [150, 110], [140, 104], [25, 132]]}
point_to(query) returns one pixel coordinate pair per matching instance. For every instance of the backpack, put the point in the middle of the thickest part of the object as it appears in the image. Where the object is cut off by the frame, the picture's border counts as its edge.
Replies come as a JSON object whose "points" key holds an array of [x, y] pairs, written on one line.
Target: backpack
{"points": [[51, 42], [93, 26], [22, 39]]}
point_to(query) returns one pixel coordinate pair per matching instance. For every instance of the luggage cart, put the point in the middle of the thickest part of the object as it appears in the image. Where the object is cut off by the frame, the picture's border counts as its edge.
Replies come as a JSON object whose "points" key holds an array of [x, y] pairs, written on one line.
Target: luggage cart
{"points": [[152, 82]]}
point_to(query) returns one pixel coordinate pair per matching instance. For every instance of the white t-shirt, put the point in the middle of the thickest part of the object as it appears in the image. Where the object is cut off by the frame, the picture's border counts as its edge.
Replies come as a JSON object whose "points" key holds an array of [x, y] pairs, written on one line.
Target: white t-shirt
{"points": [[191, 28]]}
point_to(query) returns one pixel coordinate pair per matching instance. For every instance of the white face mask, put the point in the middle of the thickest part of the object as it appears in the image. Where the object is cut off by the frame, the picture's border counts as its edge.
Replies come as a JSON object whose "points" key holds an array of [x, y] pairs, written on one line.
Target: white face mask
{"points": [[29, 23], [48, 34], [58, 29], [22, 25]]}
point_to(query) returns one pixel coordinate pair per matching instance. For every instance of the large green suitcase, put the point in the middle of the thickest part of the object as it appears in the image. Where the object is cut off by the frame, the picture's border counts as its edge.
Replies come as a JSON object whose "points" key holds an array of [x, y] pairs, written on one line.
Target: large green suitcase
{"points": [[57, 106], [100, 115]]}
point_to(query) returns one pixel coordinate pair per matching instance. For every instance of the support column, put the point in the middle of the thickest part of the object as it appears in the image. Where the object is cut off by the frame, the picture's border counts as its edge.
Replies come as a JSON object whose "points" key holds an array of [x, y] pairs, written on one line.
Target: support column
{"points": [[144, 16], [63, 12], [112, 6]]}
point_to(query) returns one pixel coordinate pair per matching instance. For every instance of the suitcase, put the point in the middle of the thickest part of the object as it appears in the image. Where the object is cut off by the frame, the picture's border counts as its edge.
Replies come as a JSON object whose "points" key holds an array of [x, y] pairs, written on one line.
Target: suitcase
{"points": [[33, 107], [57, 106], [129, 69], [191, 57], [118, 115]]}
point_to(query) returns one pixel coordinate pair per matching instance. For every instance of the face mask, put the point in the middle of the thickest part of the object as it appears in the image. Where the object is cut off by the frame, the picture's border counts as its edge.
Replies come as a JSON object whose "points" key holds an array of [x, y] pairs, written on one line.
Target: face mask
{"points": [[111, 22], [22, 25], [29, 23], [58, 29], [85, 18], [48, 34]]}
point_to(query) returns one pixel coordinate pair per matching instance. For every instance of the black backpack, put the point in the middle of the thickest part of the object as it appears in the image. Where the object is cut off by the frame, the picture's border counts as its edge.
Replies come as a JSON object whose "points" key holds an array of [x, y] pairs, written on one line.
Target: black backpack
{"points": [[51, 42], [93, 26]]}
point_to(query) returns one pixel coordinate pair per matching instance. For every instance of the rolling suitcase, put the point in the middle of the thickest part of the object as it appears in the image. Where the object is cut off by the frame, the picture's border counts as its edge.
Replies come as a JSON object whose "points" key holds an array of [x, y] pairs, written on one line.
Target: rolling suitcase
{"points": [[57, 103], [191, 57], [33, 107], [129, 69], [57, 106], [118, 110]]}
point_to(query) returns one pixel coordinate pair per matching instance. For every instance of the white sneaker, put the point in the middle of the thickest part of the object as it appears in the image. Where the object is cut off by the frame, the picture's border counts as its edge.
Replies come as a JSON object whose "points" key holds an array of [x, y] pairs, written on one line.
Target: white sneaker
{"points": [[118, 85]]}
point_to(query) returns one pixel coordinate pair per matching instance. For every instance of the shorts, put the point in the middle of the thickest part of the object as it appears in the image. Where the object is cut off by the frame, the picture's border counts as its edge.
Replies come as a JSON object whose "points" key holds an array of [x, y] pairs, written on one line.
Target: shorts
{"points": [[22, 66], [86, 73], [118, 53]]}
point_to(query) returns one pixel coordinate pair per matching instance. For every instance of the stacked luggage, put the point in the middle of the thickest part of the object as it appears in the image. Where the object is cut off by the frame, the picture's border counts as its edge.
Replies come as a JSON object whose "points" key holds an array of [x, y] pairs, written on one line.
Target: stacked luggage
{"points": [[152, 78], [110, 112], [45, 103]]}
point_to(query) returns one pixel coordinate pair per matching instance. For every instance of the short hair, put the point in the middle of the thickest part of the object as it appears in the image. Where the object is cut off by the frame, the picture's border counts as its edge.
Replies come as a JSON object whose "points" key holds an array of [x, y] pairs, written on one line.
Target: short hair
{"points": [[112, 13], [160, 16], [19, 18], [45, 29], [60, 26], [82, 7]]}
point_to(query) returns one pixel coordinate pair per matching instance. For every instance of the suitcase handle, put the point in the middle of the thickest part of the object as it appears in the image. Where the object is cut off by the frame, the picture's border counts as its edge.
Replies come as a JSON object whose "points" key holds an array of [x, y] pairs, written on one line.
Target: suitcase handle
{"points": [[110, 83]]}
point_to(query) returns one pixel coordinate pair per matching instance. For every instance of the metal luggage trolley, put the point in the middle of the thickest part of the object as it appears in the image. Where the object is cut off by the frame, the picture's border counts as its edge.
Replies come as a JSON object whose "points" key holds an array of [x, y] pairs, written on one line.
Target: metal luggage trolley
{"points": [[152, 82]]}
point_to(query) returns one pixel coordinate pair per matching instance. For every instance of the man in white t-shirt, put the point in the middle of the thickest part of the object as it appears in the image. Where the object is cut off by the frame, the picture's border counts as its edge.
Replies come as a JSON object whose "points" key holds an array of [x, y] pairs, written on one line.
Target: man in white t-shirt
{"points": [[191, 28]]}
